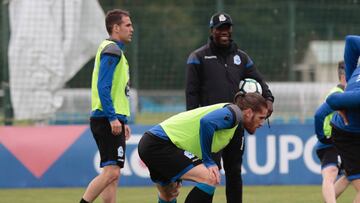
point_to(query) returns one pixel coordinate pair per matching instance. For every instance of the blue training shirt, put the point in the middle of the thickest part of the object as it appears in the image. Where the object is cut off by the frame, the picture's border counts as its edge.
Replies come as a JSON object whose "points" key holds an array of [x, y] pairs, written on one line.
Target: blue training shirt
{"points": [[350, 99], [108, 63], [320, 115]]}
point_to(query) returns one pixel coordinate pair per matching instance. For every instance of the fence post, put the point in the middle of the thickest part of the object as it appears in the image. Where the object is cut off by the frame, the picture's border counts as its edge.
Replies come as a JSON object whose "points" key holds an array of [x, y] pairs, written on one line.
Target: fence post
{"points": [[5, 86], [292, 35], [219, 5], [135, 58]]}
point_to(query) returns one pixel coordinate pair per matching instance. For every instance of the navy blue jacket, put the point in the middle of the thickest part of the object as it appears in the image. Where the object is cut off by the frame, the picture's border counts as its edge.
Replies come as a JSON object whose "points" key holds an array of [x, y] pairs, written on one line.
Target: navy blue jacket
{"points": [[214, 74]]}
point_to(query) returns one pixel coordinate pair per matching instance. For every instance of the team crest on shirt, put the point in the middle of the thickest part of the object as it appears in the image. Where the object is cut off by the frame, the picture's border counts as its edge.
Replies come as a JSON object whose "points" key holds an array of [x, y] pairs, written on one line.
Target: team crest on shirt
{"points": [[237, 60], [189, 155]]}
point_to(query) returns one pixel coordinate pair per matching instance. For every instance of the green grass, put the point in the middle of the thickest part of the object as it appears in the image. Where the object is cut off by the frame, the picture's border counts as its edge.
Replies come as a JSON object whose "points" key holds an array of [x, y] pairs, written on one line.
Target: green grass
{"points": [[252, 194], [151, 118]]}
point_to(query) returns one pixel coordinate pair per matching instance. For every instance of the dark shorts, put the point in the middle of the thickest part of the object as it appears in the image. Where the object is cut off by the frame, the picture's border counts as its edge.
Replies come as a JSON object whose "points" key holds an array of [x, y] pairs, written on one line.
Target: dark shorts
{"points": [[328, 157], [165, 161], [348, 146], [111, 147], [232, 153]]}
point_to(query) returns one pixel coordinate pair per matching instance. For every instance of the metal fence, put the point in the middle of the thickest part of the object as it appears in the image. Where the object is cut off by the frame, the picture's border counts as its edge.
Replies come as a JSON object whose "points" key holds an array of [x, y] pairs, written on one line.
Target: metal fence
{"points": [[280, 36]]}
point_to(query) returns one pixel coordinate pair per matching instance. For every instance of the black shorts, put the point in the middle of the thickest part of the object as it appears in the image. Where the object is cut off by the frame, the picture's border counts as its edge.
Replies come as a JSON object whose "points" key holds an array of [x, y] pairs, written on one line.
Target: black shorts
{"points": [[348, 146], [111, 147], [328, 157], [232, 153], [166, 162]]}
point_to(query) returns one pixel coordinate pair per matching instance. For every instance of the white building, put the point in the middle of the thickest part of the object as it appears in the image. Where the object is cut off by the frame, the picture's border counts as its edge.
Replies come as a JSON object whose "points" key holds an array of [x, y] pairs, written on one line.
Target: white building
{"points": [[320, 61]]}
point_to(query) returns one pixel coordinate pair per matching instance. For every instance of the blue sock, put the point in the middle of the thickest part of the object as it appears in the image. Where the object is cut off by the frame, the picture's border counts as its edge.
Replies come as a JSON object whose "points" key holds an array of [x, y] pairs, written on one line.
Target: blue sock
{"points": [[206, 188]]}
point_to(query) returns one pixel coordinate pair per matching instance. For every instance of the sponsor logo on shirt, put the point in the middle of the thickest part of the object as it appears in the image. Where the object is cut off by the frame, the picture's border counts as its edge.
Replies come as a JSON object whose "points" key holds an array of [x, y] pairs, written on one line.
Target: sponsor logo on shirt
{"points": [[210, 57]]}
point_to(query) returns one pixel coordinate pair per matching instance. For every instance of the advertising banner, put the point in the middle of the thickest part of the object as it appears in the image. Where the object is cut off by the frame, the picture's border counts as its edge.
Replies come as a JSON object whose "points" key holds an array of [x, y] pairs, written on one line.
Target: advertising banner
{"points": [[67, 156]]}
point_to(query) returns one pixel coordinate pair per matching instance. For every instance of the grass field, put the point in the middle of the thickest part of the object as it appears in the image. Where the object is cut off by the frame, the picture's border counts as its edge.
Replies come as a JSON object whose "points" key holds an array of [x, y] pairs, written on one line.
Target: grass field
{"points": [[252, 194]]}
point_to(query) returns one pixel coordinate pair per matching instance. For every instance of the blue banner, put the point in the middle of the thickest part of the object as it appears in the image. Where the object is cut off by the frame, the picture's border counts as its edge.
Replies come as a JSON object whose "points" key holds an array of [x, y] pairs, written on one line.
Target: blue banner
{"points": [[68, 157]]}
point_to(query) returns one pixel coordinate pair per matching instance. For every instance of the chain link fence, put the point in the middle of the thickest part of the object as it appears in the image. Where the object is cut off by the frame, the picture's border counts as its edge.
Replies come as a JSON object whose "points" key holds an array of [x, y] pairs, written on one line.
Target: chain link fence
{"points": [[294, 44]]}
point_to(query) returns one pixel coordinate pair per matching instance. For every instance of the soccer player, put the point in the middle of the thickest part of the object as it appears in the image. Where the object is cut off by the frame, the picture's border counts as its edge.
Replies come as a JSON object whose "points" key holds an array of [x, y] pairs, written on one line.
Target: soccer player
{"points": [[214, 72], [346, 122], [325, 149], [180, 147], [110, 106]]}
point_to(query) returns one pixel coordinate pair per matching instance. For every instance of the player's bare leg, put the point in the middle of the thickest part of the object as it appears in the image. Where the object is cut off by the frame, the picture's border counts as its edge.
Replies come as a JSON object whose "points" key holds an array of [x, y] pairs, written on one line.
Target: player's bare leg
{"points": [[356, 184], [98, 184], [329, 175], [206, 180], [108, 195], [340, 185], [169, 192]]}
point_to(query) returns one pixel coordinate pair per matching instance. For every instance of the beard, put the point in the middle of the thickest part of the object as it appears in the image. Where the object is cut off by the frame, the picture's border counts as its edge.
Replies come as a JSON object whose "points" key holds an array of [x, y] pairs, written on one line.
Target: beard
{"points": [[251, 130], [249, 125], [223, 41]]}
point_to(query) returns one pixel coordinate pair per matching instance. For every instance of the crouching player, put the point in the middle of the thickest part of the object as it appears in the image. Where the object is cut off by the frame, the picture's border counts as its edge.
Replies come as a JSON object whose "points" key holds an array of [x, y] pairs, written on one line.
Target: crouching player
{"points": [[180, 147]]}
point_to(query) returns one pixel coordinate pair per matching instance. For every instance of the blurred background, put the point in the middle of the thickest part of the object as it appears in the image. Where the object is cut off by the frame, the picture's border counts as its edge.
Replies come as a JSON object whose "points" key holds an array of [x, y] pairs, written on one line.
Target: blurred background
{"points": [[48, 47]]}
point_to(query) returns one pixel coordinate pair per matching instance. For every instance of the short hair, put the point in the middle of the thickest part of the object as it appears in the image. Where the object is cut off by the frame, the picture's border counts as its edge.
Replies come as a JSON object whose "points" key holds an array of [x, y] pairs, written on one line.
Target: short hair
{"points": [[254, 101], [341, 69], [114, 17]]}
